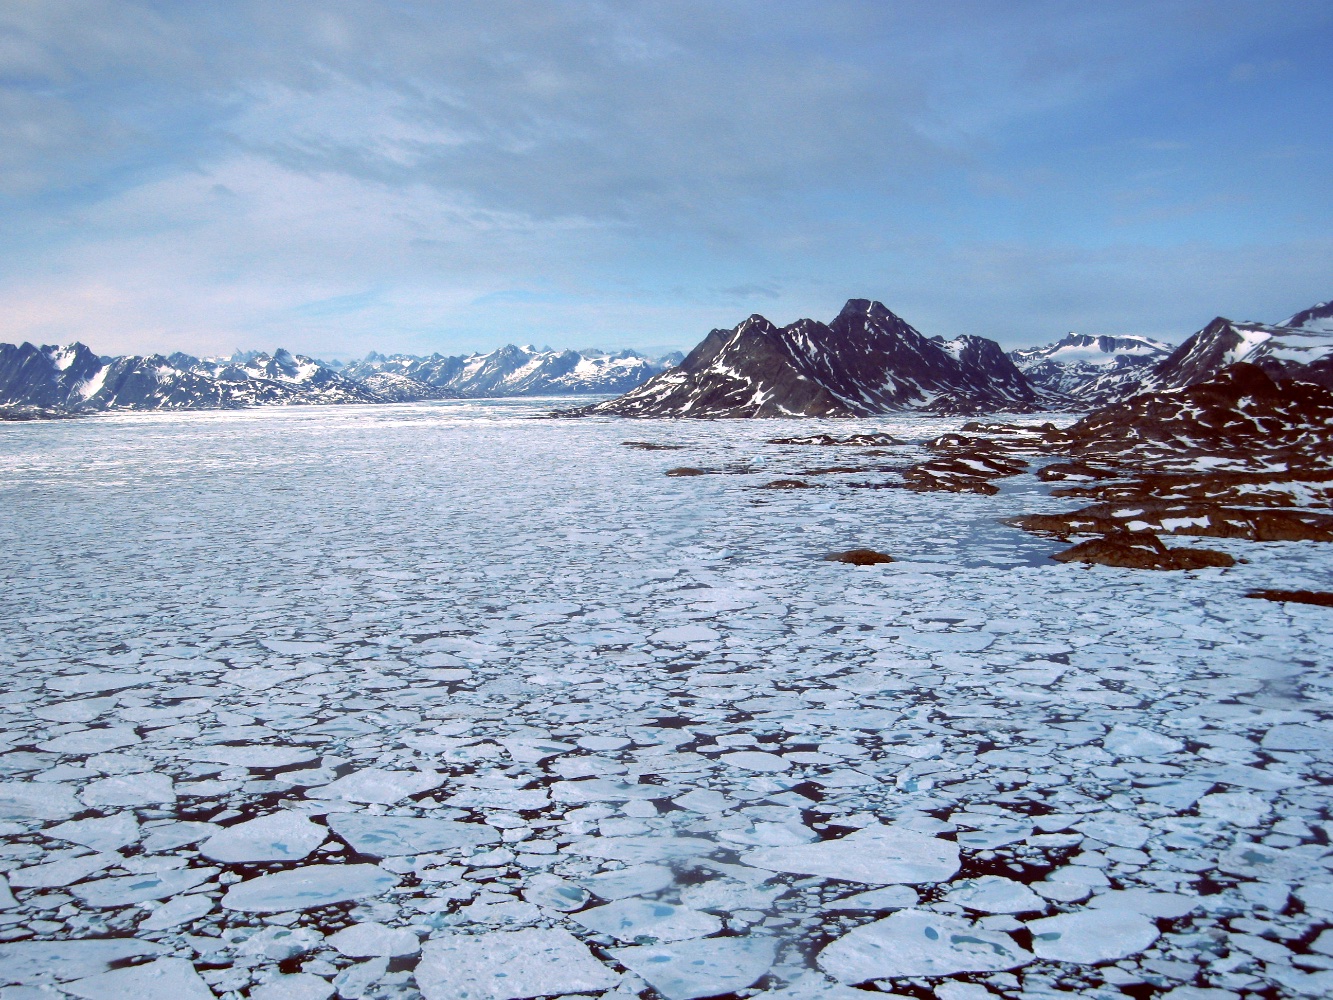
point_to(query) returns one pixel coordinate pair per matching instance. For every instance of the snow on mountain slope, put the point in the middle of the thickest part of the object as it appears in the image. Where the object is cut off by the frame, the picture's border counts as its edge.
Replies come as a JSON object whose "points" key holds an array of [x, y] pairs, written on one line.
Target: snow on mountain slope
{"points": [[1318, 317], [519, 371], [1281, 351], [866, 361], [1091, 369], [72, 378]]}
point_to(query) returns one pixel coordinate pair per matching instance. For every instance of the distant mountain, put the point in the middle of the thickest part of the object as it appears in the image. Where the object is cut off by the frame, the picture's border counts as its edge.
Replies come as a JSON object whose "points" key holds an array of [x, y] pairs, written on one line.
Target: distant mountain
{"points": [[1287, 351], [518, 371], [1318, 318], [73, 379], [866, 361], [1094, 371], [1091, 370]]}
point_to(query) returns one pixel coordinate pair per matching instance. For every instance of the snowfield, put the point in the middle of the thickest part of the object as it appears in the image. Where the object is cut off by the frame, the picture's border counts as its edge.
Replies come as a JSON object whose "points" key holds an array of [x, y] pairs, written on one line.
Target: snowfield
{"points": [[440, 700]]}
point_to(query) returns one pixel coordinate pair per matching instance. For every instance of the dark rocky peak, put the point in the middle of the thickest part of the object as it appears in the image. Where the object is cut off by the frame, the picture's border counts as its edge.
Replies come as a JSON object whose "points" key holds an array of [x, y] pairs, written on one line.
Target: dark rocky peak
{"points": [[1319, 316]]}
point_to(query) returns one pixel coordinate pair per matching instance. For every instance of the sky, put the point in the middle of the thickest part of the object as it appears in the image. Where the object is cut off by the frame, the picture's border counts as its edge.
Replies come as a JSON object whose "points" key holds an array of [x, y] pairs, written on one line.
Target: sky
{"points": [[339, 177]]}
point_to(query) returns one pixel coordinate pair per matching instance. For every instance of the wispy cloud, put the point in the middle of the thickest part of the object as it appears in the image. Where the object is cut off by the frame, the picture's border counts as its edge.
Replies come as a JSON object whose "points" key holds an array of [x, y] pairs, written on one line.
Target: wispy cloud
{"points": [[337, 175]]}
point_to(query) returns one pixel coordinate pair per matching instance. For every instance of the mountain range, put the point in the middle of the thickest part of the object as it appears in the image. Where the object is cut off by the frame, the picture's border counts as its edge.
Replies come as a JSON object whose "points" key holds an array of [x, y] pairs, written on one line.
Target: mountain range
{"points": [[868, 361], [73, 379], [865, 361]]}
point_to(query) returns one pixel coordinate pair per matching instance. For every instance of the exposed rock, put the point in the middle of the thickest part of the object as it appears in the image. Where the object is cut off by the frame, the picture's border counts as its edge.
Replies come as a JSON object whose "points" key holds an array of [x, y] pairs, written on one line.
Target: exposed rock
{"points": [[1142, 550], [786, 484], [859, 557], [1201, 519], [851, 441], [1320, 597], [867, 361], [652, 446], [685, 470]]}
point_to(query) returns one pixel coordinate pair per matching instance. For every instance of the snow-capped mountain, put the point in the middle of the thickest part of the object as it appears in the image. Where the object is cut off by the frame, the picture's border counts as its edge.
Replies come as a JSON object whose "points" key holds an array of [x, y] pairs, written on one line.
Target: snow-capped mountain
{"points": [[1318, 318], [866, 361], [1304, 352], [74, 379], [1091, 369], [518, 371]]}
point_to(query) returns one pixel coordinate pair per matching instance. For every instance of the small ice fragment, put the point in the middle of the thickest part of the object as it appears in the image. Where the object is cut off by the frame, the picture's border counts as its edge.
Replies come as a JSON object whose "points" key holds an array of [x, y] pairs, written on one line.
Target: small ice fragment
{"points": [[893, 897], [279, 836], [395, 836], [919, 943], [112, 892], [378, 786], [1166, 905], [298, 986], [59, 874], [636, 880], [554, 893], [303, 888], [355, 980], [632, 919], [756, 760], [703, 800], [991, 837], [281, 943], [878, 855], [164, 979], [90, 741], [678, 634], [1116, 831], [104, 833], [992, 894], [1133, 741], [181, 910], [1092, 936], [258, 755], [96, 683], [509, 965], [375, 940], [701, 968], [144, 789], [26, 800], [31, 961]]}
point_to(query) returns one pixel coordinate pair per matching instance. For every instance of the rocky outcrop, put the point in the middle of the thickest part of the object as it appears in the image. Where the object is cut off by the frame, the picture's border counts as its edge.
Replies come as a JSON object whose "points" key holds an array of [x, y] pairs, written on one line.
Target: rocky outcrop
{"points": [[867, 361]]}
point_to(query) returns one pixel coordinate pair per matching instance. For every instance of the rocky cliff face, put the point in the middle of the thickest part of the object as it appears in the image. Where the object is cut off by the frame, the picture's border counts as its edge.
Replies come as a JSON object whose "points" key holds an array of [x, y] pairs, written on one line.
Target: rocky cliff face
{"points": [[866, 361]]}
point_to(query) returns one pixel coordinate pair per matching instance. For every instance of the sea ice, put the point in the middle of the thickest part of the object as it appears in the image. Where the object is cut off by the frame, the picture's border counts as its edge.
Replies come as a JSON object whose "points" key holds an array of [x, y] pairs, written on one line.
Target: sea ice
{"points": [[144, 789], [180, 910], [164, 979], [992, 894], [632, 919], [100, 833], [29, 961], [509, 965], [91, 741], [635, 880], [700, 968], [378, 785], [44, 801], [279, 836], [392, 836], [879, 855], [297, 986], [374, 940], [303, 888], [112, 892], [1091, 936], [918, 943]]}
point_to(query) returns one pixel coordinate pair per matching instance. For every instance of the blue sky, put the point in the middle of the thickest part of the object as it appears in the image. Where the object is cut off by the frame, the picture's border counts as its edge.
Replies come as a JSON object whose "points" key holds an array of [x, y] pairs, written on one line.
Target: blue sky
{"points": [[339, 177]]}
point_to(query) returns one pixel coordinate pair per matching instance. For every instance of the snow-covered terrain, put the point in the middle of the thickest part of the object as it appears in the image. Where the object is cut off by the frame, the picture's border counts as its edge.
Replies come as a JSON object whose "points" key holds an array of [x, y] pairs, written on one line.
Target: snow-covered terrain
{"points": [[440, 700], [1091, 370], [72, 379]]}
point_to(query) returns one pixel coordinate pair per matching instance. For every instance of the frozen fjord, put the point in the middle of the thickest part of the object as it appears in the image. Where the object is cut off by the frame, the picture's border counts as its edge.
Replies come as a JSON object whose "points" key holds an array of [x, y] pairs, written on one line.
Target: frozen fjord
{"points": [[288, 689]]}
